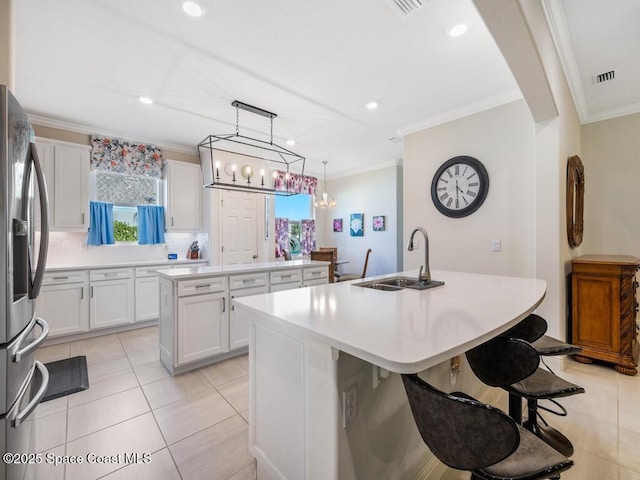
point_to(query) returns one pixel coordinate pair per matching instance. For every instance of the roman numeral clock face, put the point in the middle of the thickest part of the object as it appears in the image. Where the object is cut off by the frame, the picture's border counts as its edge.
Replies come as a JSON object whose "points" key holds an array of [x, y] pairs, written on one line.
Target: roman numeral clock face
{"points": [[459, 186]]}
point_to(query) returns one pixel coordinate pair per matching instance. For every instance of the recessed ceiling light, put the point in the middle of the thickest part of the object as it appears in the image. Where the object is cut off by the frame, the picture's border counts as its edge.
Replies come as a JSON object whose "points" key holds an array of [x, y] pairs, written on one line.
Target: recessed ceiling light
{"points": [[371, 105], [291, 143], [193, 9], [458, 30], [146, 100]]}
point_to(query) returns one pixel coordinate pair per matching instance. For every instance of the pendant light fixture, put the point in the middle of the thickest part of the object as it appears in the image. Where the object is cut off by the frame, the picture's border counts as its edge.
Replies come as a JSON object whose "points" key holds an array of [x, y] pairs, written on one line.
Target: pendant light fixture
{"points": [[325, 202], [268, 156]]}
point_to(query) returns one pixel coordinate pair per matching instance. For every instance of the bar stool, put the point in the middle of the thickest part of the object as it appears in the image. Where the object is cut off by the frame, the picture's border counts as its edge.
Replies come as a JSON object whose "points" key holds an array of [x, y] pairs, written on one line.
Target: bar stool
{"points": [[498, 364], [466, 434], [533, 329]]}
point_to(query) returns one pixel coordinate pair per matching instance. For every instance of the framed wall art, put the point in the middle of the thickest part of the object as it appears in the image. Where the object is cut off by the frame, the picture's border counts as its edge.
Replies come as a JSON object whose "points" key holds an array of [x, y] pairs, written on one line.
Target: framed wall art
{"points": [[378, 223], [337, 224], [356, 224]]}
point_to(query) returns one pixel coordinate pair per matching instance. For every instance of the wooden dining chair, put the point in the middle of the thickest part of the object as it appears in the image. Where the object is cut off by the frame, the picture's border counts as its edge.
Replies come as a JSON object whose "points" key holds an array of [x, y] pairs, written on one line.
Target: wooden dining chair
{"points": [[345, 277], [325, 256], [334, 250]]}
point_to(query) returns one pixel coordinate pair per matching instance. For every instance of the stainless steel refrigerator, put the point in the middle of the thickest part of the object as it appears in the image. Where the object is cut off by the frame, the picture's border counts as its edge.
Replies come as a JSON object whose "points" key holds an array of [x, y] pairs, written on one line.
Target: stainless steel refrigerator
{"points": [[23, 380]]}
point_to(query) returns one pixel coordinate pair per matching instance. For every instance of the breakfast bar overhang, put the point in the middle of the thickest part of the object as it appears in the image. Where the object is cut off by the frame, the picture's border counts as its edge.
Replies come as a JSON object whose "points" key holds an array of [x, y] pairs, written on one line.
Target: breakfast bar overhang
{"points": [[306, 344]]}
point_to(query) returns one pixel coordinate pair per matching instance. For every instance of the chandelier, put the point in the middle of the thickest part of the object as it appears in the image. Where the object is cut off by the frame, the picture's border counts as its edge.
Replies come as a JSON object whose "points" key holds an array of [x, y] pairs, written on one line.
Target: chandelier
{"points": [[264, 156], [325, 202]]}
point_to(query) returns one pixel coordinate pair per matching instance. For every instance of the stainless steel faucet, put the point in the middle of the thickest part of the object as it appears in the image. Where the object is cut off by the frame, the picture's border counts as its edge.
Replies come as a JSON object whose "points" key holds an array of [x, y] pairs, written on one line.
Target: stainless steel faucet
{"points": [[423, 276]]}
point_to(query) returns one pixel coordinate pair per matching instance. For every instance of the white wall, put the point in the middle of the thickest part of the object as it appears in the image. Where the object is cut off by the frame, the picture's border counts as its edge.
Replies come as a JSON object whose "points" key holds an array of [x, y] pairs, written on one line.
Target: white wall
{"points": [[376, 193], [503, 140], [611, 158]]}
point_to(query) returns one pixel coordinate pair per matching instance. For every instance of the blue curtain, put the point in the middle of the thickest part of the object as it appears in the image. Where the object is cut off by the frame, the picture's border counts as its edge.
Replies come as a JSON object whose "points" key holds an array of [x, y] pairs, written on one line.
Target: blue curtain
{"points": [[150, 224], [100, 224]]}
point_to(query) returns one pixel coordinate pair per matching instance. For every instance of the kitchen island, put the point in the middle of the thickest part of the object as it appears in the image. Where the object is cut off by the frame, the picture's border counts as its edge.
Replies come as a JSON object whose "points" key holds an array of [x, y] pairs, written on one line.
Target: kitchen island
{"points": [[322, 403], [198, 324]]}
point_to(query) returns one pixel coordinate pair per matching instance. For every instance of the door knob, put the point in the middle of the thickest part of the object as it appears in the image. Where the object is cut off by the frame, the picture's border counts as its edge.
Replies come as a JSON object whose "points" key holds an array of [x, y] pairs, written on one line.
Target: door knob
{"points": [[255, 256]]}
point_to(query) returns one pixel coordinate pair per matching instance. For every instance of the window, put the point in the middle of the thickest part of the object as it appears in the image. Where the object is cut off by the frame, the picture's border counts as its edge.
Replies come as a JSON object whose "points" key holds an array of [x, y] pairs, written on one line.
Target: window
{"points": [[126, 192], [295, 208]]}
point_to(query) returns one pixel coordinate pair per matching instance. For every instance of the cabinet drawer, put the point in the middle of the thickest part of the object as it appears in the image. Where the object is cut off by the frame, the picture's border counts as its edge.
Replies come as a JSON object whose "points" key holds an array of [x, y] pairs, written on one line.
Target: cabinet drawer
{"points": [[110, 274], [150, 271], [71, 276], [247, 281], [285, 276], [202, 285], [315, 272]]}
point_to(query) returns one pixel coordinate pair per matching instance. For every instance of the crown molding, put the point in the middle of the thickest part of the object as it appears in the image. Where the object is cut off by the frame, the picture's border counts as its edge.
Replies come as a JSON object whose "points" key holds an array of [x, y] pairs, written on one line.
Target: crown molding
{"points": [[612, 113], [461, 112], [88, 130]]}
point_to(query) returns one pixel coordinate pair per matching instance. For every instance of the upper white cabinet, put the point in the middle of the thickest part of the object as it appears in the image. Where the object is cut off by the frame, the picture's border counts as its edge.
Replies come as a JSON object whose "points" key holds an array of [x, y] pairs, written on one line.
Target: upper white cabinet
{"points": [[66, 169], [183, 201]]}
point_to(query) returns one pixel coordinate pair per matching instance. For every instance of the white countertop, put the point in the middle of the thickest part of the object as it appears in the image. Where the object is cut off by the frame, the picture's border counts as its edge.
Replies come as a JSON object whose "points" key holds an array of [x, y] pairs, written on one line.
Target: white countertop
{"points": [[199, 272], [404, 331], [57, 267]]}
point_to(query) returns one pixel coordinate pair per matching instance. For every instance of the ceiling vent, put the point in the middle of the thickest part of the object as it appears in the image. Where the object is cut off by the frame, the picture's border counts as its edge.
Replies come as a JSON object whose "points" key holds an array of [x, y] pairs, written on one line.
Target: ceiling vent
{"points": [[604, 77], [404, 8]]}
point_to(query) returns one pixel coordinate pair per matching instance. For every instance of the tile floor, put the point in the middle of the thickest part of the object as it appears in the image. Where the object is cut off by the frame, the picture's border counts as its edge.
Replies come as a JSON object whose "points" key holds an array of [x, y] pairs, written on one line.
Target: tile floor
{"points": [[194, 426]]}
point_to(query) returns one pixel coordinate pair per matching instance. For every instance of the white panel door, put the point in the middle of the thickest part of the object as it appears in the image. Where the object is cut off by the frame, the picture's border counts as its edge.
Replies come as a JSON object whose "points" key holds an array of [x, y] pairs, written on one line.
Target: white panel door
{"points": [[71, 188], [111, 303], [239, 227], [64, 307], [202, 326], [239, 327], [147, 298]]}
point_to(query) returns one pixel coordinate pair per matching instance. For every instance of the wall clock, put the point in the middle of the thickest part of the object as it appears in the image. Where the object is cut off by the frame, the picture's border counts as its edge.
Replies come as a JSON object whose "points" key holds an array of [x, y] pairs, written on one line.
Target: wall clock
{"points": [[459, 186], [575, 200]]}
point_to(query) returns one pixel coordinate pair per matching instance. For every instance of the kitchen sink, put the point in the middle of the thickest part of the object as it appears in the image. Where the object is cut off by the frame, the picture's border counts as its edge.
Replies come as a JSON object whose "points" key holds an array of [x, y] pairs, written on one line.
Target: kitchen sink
{"points": [[399, 283]]}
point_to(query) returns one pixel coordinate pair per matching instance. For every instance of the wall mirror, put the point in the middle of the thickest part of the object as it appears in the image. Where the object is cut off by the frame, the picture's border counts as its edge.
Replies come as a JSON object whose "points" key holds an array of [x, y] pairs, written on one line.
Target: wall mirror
{"points": [[575, 200]]}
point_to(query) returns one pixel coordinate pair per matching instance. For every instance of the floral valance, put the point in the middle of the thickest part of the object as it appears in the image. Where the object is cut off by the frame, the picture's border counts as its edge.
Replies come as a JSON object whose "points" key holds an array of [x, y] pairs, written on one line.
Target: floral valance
{"points": [[296, 183], [127, 158]]}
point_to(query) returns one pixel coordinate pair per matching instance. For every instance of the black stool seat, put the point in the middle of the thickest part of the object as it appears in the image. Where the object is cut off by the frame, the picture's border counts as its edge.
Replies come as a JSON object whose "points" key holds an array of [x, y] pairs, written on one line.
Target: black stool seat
{"points": [[543, 385], [549, 346]]}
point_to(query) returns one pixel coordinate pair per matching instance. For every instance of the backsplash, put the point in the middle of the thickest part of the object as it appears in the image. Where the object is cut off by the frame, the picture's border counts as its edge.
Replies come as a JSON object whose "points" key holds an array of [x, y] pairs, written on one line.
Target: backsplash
{"points": [[71, 249]]}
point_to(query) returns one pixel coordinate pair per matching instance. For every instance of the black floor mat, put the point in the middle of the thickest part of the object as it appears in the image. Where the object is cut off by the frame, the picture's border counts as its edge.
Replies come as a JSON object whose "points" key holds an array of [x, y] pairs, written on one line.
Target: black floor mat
{"points": [[66, 377]]}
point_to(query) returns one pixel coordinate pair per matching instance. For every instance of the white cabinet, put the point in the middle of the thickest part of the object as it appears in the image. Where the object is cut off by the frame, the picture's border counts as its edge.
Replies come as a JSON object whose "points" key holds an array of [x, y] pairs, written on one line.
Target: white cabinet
{"points": [[111, 297], [285, 280], [242, 286], [147, 293], [315, 276], [202, 326], [63, 302], [66, 169], [183, 202]]}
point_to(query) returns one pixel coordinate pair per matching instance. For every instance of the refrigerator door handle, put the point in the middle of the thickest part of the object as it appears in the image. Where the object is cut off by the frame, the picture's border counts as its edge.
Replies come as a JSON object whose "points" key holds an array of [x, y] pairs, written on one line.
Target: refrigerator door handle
{"points": [[21, 417], [44, 223], [36, 343]]}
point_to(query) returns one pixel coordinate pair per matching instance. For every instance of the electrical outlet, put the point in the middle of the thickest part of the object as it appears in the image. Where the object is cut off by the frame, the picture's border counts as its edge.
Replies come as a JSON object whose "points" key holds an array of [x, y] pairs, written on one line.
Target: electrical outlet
{"points": [[496, 245], [349, 405]]}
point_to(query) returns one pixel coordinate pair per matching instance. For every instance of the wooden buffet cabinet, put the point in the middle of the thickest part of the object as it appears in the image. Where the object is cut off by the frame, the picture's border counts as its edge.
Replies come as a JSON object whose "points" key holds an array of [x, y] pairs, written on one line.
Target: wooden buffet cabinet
{"points": [[603, 310]]}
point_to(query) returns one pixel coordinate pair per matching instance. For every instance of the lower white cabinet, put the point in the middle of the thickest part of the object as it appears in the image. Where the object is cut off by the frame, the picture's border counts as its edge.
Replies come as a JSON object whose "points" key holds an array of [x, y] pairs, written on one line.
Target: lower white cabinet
{"points": [[243, 286], [111, 298], [285, 280], [202, 327], [147, 293], [314, 276], [64, 302]]}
